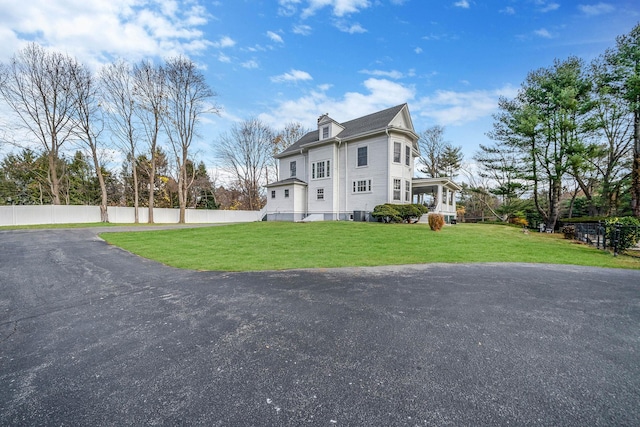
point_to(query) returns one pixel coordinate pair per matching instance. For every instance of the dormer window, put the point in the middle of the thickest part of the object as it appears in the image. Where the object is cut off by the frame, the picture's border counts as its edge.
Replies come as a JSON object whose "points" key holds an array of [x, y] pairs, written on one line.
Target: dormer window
{"points": [[325, 132]]}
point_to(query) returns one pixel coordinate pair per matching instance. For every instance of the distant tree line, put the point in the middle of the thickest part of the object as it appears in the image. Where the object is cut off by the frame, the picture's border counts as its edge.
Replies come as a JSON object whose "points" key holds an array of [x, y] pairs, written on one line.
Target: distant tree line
{"points": [[567, 145], [149, 113]]}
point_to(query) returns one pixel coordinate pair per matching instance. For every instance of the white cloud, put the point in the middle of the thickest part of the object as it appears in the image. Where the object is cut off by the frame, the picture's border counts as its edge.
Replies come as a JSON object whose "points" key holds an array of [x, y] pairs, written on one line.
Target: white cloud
{"points": [[340, 7], [350, 28], [548, 7], [303, 30], [543, 32], [596, 9], [95, 31], [223, 58], [463, 4], [393, 74], [379, 94], [274, 37], [418, 50], [508, 10], [292, 76], [456, 108], [250, 64], [224, 42]]}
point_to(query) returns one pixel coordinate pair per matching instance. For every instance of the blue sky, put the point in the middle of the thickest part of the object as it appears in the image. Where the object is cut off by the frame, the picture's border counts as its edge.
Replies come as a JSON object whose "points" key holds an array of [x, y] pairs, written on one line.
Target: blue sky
{"points": [[293, 60]]}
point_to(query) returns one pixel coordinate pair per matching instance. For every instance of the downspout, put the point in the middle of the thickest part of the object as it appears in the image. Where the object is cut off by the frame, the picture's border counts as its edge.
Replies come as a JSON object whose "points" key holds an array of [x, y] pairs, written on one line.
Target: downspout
{"points": [[386, 130], [346, 176], [338, 176]]}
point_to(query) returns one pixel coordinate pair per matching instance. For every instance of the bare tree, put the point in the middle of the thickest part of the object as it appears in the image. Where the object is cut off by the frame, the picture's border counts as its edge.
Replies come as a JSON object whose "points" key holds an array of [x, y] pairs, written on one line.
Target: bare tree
{"points": [[89, 124], [149, 90], [438, 157], [187, 93], [119, 103], [246, 151], [37, 85]]}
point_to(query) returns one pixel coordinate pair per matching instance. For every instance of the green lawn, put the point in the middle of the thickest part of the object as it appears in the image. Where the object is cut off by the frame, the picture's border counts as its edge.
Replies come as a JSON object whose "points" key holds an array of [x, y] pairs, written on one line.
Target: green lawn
{"points": [[279, 245]]}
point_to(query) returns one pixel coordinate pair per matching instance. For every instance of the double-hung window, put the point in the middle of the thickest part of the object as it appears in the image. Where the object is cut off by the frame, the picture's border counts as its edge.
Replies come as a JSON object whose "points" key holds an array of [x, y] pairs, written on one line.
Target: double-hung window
{"points": [[397, 152], [363, 159], [292, 169], [362, 186], [321, 169], [320, 194], [286, 193], [273, 194], [407, 191], [397, 188], [407, 155], [325, 132]]}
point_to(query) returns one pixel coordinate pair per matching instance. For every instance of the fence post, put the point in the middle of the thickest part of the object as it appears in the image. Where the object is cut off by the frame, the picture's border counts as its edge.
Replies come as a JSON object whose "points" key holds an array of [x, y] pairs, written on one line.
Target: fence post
{"points": [[616, 239]]}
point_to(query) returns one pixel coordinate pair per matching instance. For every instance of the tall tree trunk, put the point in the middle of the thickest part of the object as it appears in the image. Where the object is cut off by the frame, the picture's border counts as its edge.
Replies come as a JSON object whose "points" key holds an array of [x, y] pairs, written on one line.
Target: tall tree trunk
{"points": [[54, 182], [104, 214], [136, 203], [635, 172]]}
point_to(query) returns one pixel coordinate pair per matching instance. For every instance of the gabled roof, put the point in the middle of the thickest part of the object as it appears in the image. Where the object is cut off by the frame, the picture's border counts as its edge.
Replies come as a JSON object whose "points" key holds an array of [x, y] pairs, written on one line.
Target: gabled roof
{"points": [[368, 123]]}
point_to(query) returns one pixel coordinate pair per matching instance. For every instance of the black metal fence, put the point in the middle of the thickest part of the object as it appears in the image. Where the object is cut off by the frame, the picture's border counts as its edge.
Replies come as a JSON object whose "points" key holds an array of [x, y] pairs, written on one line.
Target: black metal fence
{"points": [[606, 236]]}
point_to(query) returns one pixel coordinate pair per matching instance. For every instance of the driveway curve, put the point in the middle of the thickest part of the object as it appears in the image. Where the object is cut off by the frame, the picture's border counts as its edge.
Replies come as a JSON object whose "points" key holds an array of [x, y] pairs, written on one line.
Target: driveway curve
{"points": [[93, 335]]}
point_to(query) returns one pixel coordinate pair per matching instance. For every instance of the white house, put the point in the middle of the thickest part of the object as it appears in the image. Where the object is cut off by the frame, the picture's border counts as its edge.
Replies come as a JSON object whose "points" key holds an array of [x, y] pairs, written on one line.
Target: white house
{"points": [[341, 171]]}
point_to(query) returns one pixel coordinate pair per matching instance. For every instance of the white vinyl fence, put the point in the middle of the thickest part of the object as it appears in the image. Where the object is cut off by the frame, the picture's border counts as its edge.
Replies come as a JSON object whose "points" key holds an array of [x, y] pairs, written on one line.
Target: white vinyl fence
{"points": [[65, 214]]}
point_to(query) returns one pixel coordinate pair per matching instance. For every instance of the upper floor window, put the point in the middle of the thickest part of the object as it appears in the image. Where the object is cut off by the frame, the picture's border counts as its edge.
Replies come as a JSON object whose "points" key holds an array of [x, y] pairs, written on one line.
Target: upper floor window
{"points": [[362, 156], [397, 152], [273, 194], [325, 132], [292, 168], [321, 169], [286, 193], [320, 194], [397, 188], [407, 155]]}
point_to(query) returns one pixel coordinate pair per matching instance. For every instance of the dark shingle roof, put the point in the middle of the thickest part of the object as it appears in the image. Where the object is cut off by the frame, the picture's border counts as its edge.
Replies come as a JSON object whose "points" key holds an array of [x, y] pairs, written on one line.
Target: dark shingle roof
{"points": [[286, 182], [371, 122]]}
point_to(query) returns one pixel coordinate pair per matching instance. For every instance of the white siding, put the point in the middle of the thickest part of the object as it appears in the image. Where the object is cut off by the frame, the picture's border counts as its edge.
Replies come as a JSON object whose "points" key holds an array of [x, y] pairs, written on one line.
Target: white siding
{"points": [[376, 170], [322, 153], [284, 168]]}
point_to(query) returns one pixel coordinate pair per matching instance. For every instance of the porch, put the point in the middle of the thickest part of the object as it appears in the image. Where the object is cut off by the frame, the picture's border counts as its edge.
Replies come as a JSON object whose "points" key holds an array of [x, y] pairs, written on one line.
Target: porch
{"points": [[437, 194]]}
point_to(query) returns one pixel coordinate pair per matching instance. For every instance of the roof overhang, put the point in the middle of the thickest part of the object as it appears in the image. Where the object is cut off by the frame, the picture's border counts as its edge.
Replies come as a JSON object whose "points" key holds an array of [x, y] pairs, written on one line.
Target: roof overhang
{"points": [[423, 185]]}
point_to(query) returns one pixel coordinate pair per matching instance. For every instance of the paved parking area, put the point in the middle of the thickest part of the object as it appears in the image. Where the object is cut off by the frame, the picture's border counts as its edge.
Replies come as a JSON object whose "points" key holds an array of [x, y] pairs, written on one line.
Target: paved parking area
{"points": [[92, 335]]}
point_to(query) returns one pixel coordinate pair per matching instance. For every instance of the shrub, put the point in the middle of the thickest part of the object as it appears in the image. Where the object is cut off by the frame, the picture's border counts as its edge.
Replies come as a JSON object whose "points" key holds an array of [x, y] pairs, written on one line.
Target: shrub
{"points": [[520, 222], [629, 231], [386, 213], [436, 221], [569, 232], [398, 213]]}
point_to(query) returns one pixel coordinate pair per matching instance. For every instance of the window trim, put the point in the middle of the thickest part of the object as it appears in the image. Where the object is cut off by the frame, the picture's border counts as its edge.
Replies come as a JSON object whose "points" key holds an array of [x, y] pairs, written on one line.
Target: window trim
{"points": [[399, 153], [326, 169], [397, 190], [355, 186], [407, 190], [358, 165]]}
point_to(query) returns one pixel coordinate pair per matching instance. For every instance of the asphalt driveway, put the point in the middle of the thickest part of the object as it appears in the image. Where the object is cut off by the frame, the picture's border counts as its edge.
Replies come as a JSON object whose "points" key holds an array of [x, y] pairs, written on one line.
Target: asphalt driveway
{"points": [[92, 335]]}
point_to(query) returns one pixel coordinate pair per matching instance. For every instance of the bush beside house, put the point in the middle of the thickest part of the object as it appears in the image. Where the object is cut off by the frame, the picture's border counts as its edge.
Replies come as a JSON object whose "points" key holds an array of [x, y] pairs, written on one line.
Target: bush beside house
{"points": [[398, 213]]}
